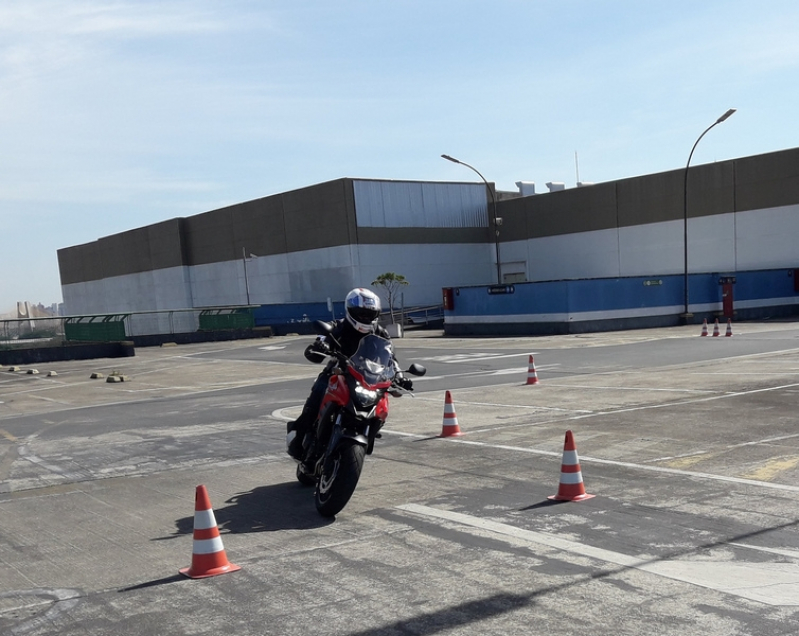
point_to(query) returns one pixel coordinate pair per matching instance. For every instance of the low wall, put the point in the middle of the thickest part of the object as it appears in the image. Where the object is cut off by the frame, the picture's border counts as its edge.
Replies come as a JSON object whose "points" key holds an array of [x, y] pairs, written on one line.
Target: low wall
{"points": [[156, 340], [608, 304], [92, 350], [82, 351]]}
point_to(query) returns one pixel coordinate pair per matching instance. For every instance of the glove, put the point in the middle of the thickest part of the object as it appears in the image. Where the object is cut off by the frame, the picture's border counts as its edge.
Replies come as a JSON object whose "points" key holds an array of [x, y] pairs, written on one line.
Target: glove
{"points": [[405, 383], [321, 346], [316, 351]]}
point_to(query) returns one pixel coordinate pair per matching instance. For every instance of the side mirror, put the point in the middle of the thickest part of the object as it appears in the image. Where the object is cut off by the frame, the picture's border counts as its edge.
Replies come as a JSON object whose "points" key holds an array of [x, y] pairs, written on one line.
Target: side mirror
{"points": [[417, 369], [322, 328]]}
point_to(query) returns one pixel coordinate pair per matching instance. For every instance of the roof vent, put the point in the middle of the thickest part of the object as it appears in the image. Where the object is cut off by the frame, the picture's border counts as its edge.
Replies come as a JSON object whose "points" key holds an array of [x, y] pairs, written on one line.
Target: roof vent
{"points": [[556, 186], [526, 188]]}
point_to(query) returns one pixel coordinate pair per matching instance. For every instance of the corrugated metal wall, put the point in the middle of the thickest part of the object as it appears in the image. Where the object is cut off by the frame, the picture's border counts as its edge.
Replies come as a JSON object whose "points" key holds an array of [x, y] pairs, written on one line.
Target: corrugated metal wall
{"points": [[414, 204]]}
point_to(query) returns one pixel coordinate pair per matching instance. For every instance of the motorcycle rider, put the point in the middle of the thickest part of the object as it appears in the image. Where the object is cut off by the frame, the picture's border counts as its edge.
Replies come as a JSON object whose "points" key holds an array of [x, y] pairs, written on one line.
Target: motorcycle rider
{"points": [[362, 309]]}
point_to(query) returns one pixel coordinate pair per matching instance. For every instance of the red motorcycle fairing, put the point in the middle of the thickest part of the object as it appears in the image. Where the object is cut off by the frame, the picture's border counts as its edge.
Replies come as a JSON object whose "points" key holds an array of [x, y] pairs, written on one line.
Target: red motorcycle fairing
{"points": [[337, 391], [381, 410]]}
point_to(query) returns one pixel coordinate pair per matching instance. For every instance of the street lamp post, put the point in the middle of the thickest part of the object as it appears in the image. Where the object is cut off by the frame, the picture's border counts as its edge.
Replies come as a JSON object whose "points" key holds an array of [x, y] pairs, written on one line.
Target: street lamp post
{"points": [[687, 315], [494, 211], [246, 278]]}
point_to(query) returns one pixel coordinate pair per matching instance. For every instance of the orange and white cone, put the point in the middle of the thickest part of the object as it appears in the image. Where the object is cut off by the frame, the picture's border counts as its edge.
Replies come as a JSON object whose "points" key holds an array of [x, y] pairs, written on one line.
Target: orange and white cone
{"points": [[450, 427], [716, 331], [208, 554], [532, 376], [729, 327], [704, 328], [571, 486]]}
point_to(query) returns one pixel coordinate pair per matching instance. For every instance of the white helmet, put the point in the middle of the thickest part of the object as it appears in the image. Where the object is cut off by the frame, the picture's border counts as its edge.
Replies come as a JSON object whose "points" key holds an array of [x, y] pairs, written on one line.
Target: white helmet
{"points": [[363, 309]]}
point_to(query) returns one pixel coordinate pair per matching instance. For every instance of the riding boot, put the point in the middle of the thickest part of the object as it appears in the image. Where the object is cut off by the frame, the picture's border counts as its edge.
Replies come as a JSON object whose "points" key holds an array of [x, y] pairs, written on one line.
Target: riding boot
{"points": [[296, 430]]}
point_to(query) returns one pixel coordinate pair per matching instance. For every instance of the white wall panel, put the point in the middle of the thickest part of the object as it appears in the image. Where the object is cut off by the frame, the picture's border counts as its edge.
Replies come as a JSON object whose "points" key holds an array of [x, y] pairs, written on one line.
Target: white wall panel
{"points": [[427, 268], [651, 250], [711, 244], [217, 284], [318, 274], [144, 291], [579, 255], [768, 238]]}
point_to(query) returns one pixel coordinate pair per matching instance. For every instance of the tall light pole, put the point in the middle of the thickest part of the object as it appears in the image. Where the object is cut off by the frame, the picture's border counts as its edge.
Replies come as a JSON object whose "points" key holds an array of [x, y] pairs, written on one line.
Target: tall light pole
{"points": [[494, 208], [246, 278], [686, 315]]}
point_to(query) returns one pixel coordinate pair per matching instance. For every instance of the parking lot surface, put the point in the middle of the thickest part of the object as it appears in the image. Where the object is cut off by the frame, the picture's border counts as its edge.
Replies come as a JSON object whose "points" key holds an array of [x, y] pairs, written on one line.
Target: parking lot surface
{"points": [[688, 444]]}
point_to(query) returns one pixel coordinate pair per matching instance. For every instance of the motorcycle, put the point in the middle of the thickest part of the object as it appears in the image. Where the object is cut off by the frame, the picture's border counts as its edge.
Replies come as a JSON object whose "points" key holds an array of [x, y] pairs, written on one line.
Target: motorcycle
{"points": [[353, 410]]}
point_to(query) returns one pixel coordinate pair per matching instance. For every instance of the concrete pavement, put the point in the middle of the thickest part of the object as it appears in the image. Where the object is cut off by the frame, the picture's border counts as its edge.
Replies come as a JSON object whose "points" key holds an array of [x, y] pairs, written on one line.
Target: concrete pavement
{"points": [[693, 529]]}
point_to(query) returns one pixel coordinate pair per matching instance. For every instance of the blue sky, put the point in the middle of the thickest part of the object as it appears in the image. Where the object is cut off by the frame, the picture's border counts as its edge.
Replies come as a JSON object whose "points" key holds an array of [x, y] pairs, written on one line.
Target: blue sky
{"points": [[114, 115]]}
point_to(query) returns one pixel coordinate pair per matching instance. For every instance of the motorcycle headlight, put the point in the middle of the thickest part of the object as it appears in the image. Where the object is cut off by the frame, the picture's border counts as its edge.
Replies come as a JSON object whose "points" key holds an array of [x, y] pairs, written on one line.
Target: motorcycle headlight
{"points": [[365, 396]]}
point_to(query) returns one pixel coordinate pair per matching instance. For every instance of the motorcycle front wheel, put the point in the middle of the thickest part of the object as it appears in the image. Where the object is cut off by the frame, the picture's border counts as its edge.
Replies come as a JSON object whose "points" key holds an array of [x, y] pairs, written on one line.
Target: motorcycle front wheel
{"points": [[304, 478], [340, 475]]}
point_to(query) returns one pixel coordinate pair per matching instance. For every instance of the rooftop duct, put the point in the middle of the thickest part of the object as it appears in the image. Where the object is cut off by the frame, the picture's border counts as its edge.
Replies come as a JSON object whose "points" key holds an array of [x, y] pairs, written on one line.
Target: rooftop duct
{"points": [[526, 188]]}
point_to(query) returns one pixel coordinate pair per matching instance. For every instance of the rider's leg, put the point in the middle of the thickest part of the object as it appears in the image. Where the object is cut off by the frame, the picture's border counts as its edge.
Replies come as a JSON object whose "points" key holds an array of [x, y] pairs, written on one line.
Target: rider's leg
{"points": [[297, 429]]}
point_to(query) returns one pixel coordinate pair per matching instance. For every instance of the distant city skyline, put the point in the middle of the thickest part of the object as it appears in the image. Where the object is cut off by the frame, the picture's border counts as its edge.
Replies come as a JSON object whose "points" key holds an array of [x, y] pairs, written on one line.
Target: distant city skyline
{"points": [[51, 308], [118, 115]]}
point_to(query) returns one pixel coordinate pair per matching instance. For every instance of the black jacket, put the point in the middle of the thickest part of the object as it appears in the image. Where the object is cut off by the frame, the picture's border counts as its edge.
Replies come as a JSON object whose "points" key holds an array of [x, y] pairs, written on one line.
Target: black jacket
{"points": [[347, 336]]}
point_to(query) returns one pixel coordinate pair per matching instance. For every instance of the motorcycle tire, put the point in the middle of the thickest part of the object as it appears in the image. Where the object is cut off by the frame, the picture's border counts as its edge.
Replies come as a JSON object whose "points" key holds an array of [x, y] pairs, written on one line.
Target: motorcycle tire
{"points": [[304, 478], [340, 475]]}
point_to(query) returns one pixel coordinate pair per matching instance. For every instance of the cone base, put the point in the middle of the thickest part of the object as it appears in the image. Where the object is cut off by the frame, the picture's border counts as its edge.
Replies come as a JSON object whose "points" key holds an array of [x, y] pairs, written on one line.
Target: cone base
{"points": [[566, 498], [447, 434], [534, 381], [230, 567]]}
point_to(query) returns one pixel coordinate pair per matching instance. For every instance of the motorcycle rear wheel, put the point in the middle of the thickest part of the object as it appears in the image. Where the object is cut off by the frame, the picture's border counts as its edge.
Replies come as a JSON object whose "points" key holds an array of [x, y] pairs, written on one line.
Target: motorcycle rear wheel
{"points": [[339, 478]]}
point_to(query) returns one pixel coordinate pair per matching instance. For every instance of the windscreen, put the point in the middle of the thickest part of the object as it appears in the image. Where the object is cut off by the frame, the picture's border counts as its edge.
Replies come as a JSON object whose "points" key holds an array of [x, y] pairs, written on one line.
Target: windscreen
{"points": [[373, 360]]}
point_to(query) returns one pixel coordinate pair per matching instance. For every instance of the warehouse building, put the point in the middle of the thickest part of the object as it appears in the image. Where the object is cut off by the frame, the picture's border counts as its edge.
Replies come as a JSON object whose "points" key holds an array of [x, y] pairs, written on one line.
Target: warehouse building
{"points": [[308, 245]]}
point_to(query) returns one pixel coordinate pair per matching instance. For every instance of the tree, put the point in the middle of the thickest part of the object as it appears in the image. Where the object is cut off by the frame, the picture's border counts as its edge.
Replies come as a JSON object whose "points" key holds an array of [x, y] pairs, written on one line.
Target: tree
{"points": [[391, 283]]}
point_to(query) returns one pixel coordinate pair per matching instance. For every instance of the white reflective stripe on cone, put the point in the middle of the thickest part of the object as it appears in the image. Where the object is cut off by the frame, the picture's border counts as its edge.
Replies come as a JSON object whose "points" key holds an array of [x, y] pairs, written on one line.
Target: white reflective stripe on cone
{"points": [[207, 546], [571, 478], [204, 519], [570, 458]]}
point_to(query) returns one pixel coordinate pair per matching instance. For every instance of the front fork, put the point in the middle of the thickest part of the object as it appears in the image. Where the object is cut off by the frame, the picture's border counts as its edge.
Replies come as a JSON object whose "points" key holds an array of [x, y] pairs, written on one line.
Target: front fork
{"points": [[330, 432]]}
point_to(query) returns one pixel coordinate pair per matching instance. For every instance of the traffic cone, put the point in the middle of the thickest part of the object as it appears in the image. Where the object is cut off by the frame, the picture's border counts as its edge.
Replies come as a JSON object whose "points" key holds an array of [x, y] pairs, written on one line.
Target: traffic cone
{"points": [[208, 555], [716, 328], [532, 376], [450, 427], [729, 327], [704, 328], [571, 486]]}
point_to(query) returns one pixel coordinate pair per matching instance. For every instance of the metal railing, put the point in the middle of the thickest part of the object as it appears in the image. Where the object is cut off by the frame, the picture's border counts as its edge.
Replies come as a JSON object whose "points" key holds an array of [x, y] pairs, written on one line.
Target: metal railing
{"points": [[16, 332], [23, 332], [26, 332]]}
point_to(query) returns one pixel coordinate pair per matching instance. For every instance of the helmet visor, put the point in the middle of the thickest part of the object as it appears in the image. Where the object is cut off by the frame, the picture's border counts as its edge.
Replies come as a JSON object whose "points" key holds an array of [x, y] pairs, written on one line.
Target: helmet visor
{"points": [[365, 315]]}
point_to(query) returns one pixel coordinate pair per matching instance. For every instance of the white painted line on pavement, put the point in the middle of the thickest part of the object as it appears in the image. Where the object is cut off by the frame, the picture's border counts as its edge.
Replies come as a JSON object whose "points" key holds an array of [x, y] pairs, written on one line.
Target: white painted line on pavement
{"points": [[757, 442], [648, 389], [769, 583], [456, 358], [520, 371], [608, 462]]}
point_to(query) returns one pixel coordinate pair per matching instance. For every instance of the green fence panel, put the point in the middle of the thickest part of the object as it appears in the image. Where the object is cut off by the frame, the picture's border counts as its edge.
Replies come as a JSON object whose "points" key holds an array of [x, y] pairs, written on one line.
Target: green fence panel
{"points": [[218, 321], [109, 331]]}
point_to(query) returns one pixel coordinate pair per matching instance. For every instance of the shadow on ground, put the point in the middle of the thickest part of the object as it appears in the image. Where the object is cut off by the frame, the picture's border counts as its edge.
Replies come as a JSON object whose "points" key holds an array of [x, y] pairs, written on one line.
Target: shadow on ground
{"points": [[286, 506]]}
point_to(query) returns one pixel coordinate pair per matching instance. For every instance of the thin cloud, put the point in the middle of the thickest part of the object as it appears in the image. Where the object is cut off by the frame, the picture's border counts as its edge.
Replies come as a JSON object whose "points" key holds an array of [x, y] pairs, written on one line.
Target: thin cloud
{"points": [[32, 18]]}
